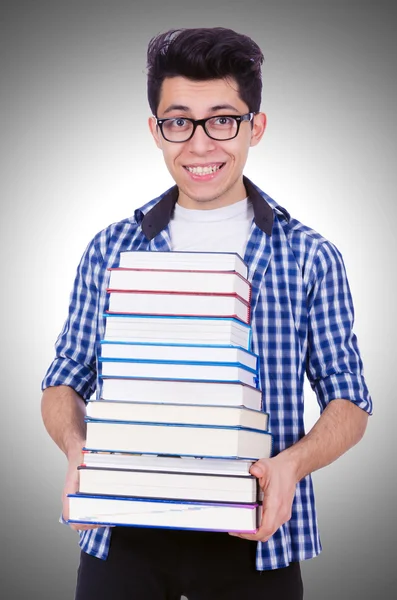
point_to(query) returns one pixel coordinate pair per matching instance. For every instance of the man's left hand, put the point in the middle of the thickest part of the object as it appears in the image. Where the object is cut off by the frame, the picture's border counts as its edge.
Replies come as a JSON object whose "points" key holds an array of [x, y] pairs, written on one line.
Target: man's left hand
{"points": [[277, 479]]}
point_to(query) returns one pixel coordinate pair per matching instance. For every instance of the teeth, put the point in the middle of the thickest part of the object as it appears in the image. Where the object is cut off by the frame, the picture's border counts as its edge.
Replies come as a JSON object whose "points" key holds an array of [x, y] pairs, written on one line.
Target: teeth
{"points": [[203, 170]]}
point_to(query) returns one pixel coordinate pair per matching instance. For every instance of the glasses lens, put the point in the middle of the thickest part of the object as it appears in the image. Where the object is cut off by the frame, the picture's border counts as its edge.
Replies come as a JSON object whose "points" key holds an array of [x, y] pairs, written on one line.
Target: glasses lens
{"points": [[177, 130], [221, 128]]}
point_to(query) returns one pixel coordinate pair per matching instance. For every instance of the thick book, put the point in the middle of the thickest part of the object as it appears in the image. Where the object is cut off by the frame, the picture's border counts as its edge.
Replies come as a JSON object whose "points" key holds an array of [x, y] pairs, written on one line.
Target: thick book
{"points": [[179, 352], [173, 464], [181, 392], [177, 439], [185, 282], [193, 305], [190, 261], [193, 414], [163, 513], [162, 484], [174, 330], [112, 367]]}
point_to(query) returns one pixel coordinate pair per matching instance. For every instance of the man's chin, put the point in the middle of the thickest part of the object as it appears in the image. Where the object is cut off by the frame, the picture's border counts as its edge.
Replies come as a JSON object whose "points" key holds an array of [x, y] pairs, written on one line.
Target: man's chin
{"points": [[203, 197]]}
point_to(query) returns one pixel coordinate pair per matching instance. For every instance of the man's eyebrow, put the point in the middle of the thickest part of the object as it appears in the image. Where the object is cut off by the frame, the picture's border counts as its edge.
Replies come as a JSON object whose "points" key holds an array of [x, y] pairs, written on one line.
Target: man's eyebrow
{"points": [[212, 109], [223, 107], [176, 107]]}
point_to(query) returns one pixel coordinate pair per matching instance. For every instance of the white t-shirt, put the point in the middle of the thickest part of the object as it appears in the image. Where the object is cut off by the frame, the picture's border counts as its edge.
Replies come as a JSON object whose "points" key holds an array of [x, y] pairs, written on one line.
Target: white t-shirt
{"points": [[223, 229]]}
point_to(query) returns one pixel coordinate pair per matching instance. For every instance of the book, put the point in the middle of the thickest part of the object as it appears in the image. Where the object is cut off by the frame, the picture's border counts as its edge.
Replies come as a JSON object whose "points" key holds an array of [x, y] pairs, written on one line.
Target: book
{"points": [[174, 464], [174, 514], [192, 414], [177, 370], [181, 392], [161, 484], [179, 352], [177, 439], [196, 261], [194, 305], [174, 330], [185, 282]]}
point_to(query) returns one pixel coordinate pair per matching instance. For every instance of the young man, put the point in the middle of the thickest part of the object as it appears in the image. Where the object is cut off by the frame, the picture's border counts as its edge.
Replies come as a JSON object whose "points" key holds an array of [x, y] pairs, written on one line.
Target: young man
{"points": [[204, 89]]}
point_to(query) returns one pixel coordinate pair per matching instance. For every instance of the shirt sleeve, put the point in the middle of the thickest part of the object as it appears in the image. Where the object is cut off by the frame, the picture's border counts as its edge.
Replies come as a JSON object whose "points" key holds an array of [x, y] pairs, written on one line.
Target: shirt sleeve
{"points": [[75, 348], [334, 366]]}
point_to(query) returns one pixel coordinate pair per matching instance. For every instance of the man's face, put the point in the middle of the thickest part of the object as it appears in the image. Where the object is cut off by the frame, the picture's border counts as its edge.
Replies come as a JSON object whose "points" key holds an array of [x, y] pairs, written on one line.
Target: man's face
{"points": [[181, 97]]}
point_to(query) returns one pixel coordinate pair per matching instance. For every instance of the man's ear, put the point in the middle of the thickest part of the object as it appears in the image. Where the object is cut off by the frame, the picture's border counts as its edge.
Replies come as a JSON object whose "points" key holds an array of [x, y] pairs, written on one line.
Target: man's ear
{"points": [[154, 130], [258, 128]]}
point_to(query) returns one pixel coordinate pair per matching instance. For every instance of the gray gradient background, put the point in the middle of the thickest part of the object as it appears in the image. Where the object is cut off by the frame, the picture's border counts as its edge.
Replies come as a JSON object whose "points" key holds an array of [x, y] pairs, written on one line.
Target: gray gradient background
{"points": [[76, 156]]}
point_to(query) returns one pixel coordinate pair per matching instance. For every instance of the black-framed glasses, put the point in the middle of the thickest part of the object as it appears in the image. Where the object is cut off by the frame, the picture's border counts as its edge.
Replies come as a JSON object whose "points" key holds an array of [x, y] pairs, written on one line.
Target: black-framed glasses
{"points": [[220, 127]]}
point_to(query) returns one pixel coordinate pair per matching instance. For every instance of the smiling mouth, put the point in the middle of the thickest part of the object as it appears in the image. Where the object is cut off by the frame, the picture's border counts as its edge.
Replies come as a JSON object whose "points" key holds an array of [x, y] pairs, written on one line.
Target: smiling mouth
{"points": [[207, 170]]}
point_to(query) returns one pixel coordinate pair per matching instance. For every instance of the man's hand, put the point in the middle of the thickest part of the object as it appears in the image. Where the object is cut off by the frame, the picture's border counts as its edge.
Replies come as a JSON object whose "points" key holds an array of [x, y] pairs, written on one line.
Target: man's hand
{"points": [[71, 487], [277, 480]]}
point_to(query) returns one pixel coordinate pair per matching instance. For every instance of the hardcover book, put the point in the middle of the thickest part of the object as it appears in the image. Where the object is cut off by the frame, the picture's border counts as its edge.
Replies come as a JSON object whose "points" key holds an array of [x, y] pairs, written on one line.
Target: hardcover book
{"points": [[187, 353], [163, 513], [177, 330], [177, 439], [181, 392], [167, 304], [112, 367], [162, 484], [193, 414], [185, 282], [171, 464], [196, 261]]}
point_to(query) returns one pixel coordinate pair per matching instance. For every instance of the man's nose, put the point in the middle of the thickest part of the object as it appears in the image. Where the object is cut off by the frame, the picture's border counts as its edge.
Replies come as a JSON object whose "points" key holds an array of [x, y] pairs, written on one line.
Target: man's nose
{"points": [[200, 142]]}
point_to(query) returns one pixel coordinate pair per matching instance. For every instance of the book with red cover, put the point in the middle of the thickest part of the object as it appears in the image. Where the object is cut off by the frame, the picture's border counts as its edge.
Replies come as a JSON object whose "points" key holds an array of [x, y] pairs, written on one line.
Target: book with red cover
{"points": [[179, 304], [184, 282]]}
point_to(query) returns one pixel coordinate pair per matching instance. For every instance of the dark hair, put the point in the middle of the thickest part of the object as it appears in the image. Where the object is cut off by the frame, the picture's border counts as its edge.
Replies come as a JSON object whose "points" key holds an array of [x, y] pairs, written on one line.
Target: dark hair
{"points": [[202, 54]]}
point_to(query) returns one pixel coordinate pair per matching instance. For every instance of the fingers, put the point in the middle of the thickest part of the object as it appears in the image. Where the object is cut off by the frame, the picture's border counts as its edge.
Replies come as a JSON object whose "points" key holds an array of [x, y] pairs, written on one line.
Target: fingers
{"points": [[272, 518], [275, 511], [82, 527], [85, 527]]}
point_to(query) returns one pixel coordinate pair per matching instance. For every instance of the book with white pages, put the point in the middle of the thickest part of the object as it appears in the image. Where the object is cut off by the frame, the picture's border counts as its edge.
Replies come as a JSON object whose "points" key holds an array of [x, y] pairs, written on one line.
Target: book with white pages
{"points": [[170, 464], [177, 439], [178, 370], [193, 414], [177, 329], [196, 261], [178, 304], [163, 484], [179, 352], [200, 282], [175, 514], [180, 392]]}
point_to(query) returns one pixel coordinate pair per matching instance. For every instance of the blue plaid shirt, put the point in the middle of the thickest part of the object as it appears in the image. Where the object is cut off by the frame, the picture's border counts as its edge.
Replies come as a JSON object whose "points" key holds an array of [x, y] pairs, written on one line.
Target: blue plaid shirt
{"points": [[302, 319]]}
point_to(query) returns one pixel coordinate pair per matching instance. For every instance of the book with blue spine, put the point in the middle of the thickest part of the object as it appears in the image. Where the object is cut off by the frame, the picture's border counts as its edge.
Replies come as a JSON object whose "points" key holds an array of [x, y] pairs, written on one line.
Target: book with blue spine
{"points": [[178, 370], [168, 412], [190, 353], [174, 514], [178, 439]]}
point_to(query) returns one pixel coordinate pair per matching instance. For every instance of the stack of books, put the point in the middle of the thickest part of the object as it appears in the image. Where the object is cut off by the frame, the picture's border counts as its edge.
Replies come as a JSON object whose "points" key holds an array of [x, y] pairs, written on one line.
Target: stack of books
{"points": [[178, 421]]}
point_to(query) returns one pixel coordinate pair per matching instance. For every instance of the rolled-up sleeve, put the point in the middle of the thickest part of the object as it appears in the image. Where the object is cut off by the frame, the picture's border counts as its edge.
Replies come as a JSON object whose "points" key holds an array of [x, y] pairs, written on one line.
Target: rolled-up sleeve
{"points": [[75, 348], [334, 366]]}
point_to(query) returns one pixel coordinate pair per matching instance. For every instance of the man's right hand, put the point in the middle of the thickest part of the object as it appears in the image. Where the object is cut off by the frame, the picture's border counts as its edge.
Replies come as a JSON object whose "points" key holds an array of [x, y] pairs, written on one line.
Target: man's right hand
{"points": [[71, 487]]}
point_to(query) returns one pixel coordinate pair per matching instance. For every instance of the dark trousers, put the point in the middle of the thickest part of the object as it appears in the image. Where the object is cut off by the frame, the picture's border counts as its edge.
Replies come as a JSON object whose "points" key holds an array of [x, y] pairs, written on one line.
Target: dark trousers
{"points": [[161, 564]]}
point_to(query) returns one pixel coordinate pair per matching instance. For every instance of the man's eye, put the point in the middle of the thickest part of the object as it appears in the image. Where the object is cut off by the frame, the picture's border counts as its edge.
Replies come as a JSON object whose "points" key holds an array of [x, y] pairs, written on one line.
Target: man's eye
{"points": [[223, 121], [179, 122]]}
